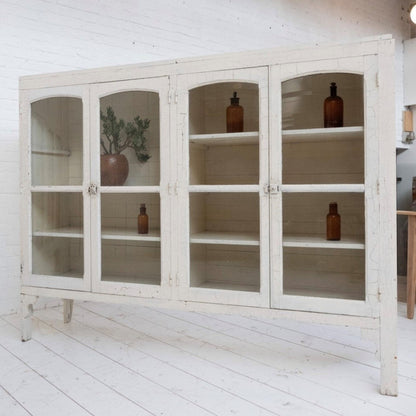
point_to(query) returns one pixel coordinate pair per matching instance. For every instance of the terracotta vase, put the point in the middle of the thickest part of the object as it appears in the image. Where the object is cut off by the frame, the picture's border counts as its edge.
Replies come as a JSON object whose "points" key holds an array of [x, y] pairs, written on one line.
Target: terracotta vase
{"points": [[114, 170]]}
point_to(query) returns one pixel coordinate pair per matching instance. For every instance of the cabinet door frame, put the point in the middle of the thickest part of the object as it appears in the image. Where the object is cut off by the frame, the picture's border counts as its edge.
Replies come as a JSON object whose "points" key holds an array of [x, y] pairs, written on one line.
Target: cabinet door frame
{"points": [[159, 85], [185, 83], [27, 97], [366, 65]]}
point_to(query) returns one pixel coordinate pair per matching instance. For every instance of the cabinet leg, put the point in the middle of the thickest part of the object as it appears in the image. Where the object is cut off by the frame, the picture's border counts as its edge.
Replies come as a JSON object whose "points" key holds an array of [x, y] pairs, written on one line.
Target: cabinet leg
{"points": [[26, 310], [68, 306]]}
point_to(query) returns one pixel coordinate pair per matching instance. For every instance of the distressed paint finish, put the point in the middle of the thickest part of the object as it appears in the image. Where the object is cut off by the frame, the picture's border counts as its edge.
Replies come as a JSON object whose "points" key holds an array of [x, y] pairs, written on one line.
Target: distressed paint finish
{"points": [[173, 80]]}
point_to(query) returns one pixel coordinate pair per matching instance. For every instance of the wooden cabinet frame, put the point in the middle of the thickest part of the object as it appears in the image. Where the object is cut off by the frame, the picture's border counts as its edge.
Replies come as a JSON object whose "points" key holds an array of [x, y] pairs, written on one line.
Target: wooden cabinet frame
{"points": [[377, 311]]}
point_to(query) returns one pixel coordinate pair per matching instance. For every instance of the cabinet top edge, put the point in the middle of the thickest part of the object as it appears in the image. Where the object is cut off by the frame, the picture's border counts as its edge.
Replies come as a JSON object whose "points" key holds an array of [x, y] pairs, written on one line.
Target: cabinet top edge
{"points": [[230, 60]]}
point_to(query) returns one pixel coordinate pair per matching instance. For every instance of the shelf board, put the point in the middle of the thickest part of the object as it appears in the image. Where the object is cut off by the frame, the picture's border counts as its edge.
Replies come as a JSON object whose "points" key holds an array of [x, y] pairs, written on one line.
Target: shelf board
{"points": [[322, 134], [62, 232], [117, 233], [225, 139], [241, 287], [224, 188], [231, 238], [312, 241], [155, 281]]}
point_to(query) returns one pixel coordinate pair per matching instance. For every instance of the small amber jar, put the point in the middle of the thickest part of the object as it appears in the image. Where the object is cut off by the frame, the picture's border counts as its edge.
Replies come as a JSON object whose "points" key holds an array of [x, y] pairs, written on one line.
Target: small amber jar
{"points": [[235, 115], [333, 223], [333, 109], [143, 221]]}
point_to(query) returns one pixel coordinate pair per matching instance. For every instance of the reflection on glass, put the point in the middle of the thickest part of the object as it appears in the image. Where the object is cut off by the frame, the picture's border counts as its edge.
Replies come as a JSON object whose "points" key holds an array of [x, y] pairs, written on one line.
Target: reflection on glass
{"points": [[56, 141]]}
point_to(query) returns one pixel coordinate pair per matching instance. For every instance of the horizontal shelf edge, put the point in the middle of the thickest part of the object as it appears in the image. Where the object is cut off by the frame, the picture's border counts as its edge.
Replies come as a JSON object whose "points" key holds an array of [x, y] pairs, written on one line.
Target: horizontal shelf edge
{"points": [[223, 188], [359, 188]]}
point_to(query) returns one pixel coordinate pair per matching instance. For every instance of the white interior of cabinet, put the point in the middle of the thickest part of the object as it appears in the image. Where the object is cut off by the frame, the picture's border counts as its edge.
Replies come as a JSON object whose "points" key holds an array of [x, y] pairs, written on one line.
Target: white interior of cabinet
{"points": [[126, 255], [303, 100], [313, 266], [218, 158], [56, 141], [224, 239], [57, 234], [127, 105]]}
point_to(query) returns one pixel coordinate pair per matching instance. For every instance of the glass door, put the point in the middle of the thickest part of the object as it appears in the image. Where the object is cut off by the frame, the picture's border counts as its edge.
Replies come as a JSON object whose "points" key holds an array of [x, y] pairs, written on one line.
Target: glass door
{"points": [[131, 205], [55, 135], [321, 171], [223, 159]]}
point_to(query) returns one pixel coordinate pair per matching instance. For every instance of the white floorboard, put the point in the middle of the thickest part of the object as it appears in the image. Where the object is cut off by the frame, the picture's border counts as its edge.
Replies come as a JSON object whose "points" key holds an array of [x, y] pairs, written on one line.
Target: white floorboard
{"points": [[132, 360]]}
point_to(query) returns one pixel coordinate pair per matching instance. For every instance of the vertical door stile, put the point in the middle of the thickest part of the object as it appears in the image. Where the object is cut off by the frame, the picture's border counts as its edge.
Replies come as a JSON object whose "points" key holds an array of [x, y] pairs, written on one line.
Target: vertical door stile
{"points": [[275, 154], [95, 215]]}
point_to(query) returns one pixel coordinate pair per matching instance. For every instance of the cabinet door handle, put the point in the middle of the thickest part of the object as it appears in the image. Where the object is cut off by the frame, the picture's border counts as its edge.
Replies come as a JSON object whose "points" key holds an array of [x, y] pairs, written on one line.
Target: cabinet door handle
{"points": [[93, 189]]}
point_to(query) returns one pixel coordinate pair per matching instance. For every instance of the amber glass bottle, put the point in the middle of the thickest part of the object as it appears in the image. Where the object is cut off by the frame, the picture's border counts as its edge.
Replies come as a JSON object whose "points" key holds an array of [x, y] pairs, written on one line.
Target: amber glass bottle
{"points": [[235, 115], [333, 109], [333, 223], [143, 220]]}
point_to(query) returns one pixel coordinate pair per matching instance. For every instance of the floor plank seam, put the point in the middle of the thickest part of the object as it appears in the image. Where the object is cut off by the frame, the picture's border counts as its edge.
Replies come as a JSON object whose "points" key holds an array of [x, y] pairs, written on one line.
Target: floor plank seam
{"points": [[127, 368], [34, 339], [15, 400], [48, 381], [259, 362]]}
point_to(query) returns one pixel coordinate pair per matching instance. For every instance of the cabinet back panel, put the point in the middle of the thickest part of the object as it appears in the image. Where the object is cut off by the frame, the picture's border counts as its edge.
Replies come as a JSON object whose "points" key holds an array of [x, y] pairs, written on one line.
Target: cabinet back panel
{"points": [[208, 105], [56, 141], [323, 162], [305, 213], [324, 273], [225, 212], [56, 210], [57, 256], [303, 100], [225, 264], [130, 261], [121, 210]]}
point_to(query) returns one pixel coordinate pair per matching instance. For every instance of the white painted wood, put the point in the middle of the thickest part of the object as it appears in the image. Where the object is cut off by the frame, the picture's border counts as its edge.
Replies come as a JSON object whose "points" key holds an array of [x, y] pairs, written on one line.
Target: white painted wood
{"points": [[67, 310], [308, 241], [212, 237], [225, 139], [332, 188], [322, 134], [387, 224], [224, 188], [227, 229], [26, 311]]}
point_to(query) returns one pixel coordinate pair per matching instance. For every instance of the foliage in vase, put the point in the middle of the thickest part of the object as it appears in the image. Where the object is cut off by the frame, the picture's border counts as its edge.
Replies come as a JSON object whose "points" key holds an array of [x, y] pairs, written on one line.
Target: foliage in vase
{"points": [[121, 135]]}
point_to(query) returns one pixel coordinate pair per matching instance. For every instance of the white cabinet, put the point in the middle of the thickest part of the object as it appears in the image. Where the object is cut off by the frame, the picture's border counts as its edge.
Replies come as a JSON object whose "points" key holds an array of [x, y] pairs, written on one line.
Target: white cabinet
{"points": [[237, 219]]}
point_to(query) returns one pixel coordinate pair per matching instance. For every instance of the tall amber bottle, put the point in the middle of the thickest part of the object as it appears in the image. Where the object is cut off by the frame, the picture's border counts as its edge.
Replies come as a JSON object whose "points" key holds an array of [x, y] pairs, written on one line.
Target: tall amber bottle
{"points": [[235, 115], [333, 109], [333, 223], [143, 221]]}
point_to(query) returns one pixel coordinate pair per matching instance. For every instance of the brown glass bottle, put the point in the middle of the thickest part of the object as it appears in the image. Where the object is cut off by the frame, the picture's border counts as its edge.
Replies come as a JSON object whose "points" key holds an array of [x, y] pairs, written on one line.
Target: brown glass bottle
{"points": [[333, 223], [235, 115], [143, 221], [333, 109]]}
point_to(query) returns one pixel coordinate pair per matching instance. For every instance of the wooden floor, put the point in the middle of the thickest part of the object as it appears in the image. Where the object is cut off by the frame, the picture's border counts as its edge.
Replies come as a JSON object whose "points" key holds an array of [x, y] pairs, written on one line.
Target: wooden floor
{"points": [[133, 360]]}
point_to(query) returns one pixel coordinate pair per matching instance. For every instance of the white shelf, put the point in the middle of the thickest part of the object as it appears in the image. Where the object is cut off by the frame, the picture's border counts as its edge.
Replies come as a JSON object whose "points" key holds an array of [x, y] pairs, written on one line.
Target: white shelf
{"points": [[241, 287], [225, 139], [116, 233], [62, 232], [231, 238], [311, 241], [51, 152], [323, 134], [132, 279], [224, 188]]}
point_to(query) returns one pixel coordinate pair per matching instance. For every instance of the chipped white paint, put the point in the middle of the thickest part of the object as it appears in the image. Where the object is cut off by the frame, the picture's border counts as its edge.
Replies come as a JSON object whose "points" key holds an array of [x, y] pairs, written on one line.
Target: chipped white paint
{"points": [[183, 183]]}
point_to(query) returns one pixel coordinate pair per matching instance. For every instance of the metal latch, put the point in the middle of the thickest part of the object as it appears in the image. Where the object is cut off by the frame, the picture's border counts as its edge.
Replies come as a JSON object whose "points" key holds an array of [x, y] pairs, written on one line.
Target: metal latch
{"points": [[93, 189], [271, 189]]}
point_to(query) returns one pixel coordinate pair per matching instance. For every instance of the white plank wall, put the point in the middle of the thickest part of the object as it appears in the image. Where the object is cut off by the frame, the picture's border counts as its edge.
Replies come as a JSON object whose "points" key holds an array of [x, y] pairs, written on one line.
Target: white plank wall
{"points": [[133, 360]]}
